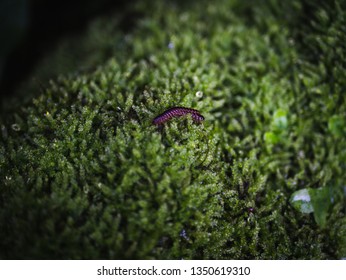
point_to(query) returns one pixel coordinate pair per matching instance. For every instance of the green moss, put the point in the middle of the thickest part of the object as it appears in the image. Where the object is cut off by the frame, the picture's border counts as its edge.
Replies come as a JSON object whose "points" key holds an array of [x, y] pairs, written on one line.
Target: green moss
{"points": [[84, 173]]}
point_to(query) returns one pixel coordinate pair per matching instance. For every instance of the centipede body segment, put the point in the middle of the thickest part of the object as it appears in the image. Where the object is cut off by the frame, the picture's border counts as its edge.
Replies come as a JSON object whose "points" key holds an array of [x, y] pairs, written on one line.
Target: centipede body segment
{"points": [[178, 112]]}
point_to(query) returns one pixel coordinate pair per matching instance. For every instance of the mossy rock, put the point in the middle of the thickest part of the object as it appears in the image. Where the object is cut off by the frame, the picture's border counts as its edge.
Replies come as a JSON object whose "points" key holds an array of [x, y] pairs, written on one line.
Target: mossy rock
{"points": [[85, 174]]}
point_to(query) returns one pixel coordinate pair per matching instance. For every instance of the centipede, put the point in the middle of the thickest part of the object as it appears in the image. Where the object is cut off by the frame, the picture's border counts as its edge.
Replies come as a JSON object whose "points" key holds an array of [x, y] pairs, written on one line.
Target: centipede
{"points": [[178, 112]]}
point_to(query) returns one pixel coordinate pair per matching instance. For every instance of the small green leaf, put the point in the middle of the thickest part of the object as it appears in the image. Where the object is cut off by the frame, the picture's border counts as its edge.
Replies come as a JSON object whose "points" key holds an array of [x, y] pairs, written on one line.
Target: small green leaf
{"points": [[321, 200], [336, 125], [301, 200], [280, 120], [317, 201], [271, 138]]}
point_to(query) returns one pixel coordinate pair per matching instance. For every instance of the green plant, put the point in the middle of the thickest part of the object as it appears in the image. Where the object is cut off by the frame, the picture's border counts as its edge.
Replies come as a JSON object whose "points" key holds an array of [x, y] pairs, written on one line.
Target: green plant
{"points": [[84, 174]]}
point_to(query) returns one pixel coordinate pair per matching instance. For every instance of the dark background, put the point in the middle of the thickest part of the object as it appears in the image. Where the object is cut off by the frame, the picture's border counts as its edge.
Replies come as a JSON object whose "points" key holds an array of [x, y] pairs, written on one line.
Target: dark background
{"points": [[30, 28]]}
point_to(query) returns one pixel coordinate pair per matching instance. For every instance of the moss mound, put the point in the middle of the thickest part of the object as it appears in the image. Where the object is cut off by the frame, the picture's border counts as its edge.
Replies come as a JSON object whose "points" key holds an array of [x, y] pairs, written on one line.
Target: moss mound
{"points": [[85, 175]]}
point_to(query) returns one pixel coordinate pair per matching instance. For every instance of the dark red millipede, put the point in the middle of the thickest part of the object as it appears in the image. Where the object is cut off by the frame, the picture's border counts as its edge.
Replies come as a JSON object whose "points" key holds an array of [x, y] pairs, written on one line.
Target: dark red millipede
{"points": [[177, 112]]}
